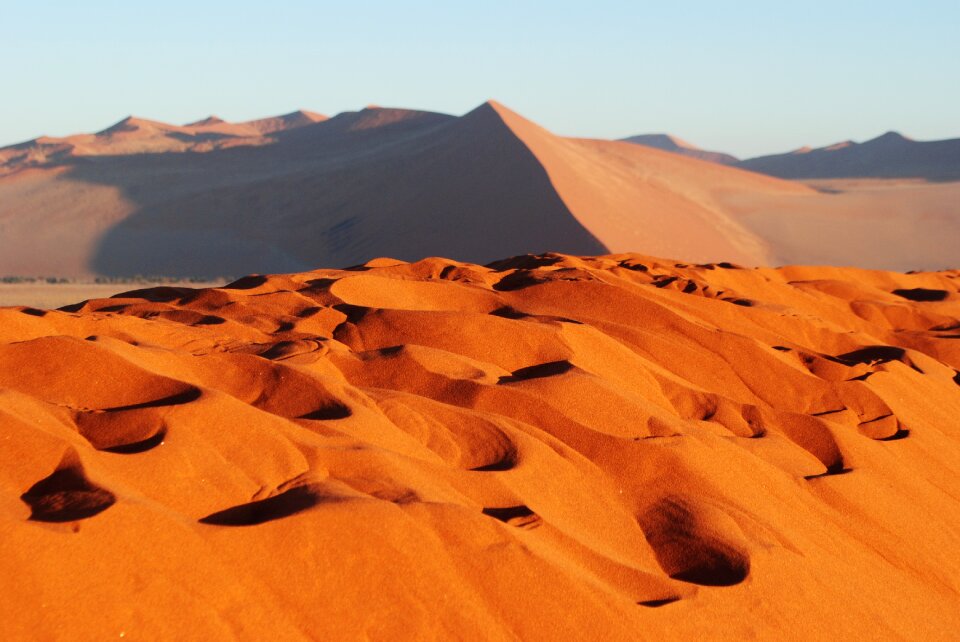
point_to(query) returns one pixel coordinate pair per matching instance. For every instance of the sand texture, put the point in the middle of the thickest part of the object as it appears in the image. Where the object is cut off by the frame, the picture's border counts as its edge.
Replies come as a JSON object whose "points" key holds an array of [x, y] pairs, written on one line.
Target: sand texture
{"points": [[549, 447]]}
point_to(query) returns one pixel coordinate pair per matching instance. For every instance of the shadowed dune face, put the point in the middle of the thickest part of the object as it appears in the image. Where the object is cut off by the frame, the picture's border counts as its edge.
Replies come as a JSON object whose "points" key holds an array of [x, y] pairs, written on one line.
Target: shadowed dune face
{"points": [[405, 184], [546, 447], [891, 155], [690, 548], [284, 194], [672, 144], [66, 495]]}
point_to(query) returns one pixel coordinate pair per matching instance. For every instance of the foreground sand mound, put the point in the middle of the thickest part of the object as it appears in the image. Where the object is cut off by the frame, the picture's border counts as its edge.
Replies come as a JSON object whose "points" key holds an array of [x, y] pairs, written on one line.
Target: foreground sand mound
{"points": [[548, 447]]}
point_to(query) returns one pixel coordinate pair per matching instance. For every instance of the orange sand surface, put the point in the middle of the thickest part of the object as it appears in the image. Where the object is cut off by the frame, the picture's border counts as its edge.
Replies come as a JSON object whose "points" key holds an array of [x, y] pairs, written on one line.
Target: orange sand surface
{"points": [[549, 447]]}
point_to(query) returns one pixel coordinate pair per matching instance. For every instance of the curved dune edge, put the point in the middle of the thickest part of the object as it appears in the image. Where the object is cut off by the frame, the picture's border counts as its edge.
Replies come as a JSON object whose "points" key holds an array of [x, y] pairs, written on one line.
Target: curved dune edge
{"points": [[207, 199], [614, 447], [620, 192]]}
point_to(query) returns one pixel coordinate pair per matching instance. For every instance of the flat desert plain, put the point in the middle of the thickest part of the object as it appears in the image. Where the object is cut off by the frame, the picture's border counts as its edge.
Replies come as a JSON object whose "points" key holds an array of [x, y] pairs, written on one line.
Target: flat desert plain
{"points": [[47, 296], [871, 223]]}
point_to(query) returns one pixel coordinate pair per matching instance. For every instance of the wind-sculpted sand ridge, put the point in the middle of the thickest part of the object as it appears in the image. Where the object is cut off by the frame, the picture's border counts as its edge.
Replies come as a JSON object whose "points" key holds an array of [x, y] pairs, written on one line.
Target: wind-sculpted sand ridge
{"points": [[547, 447], [289, 193]]}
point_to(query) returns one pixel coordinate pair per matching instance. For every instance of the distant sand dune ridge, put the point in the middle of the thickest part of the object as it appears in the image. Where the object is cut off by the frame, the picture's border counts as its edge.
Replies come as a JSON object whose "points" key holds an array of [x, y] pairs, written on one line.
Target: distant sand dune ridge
{"points": [[285, 194]]}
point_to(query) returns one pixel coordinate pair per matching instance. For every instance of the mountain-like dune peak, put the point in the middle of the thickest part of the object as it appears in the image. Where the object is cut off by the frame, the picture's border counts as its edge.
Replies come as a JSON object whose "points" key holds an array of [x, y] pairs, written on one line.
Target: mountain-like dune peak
{"points": [[549, 446], [373, 117], [133, 135], [215, 129], [671, 143], [227, 198], [890, 138], [128, 137], [633, 196], [890, 155], [133, 124], [293, 120], [662, 141], [209, 121]]}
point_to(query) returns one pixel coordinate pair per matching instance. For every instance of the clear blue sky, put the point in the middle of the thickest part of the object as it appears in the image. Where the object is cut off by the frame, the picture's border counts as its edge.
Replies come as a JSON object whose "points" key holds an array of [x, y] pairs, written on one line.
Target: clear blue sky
{"points": [[747, 77]]}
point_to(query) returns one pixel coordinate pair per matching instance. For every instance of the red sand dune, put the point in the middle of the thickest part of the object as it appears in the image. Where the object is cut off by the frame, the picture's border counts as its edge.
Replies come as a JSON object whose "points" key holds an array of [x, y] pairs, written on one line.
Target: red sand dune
{"points": [[549, 447], [215, 198], [134, 135]]}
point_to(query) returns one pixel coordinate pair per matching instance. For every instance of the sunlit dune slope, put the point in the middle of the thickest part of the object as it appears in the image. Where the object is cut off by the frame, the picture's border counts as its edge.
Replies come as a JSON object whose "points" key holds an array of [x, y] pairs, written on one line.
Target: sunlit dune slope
{"points": [[631, 196], [549, 447]]}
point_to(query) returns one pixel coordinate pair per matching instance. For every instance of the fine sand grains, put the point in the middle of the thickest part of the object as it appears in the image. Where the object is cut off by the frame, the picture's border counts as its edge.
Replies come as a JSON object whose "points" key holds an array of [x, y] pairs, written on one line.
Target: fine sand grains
{"points": [[548, 447]]}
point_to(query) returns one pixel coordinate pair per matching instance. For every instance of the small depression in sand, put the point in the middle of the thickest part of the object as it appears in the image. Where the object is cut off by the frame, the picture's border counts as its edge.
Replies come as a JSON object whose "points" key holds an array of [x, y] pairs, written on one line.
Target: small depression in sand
{"points": [[616, 447]]}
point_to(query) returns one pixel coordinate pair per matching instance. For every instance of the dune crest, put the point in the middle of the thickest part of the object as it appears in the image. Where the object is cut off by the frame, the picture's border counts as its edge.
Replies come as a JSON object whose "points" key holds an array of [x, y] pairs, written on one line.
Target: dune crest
{"points": [[546, 447], [134, 136], [284, 194], [890, 155], [671, 143]]}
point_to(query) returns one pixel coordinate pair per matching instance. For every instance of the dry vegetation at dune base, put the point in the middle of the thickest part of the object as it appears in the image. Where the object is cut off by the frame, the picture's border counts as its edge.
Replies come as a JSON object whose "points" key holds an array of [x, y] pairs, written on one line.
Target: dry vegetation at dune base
{"points": [[549, 447]]}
